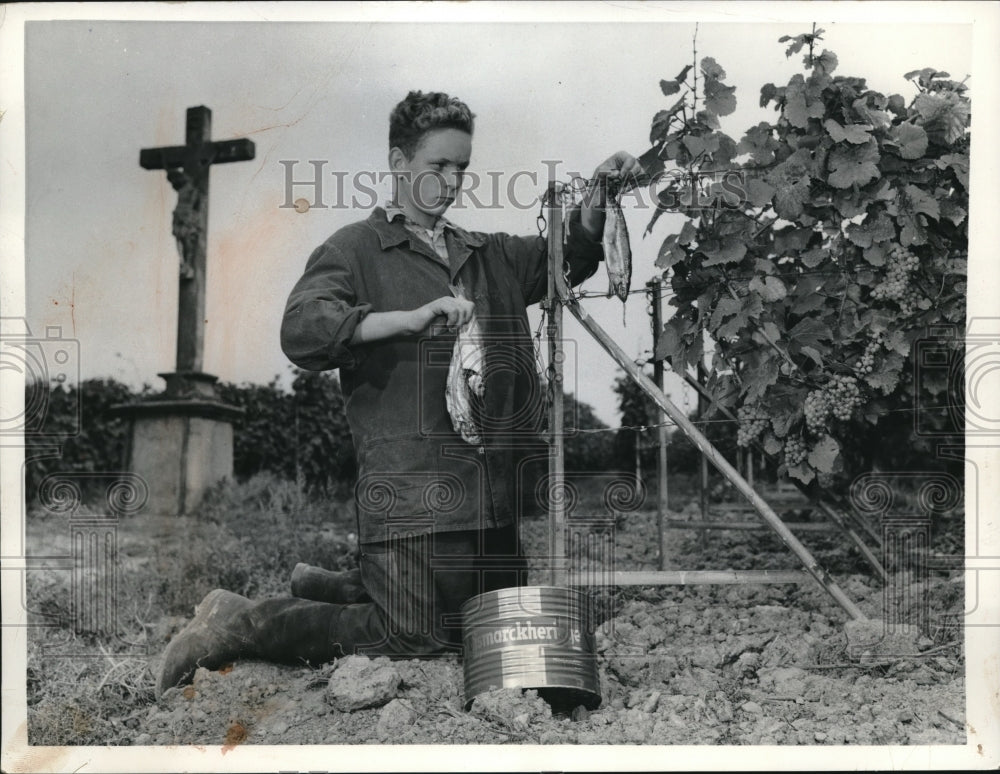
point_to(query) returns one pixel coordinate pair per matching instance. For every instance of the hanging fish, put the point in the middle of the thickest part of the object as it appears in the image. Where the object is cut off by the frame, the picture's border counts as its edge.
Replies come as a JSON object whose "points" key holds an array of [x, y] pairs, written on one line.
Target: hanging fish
{"points": [[465, 387], [617, 252]]}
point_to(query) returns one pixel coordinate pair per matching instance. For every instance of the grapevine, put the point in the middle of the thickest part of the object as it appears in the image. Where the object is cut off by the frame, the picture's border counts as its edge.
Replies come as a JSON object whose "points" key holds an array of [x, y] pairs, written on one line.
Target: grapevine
{"points": [[847, 239]]}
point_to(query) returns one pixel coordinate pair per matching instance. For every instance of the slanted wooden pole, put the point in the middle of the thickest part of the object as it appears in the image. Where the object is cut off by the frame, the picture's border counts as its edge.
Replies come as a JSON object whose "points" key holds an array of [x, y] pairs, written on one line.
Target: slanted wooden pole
{"points": [[713, 456], [831, 513]]}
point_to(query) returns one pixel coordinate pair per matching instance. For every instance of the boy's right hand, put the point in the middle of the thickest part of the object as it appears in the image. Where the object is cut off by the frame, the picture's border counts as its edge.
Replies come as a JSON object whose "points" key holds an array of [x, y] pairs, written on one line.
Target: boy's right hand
{"points": [[456, 311]]}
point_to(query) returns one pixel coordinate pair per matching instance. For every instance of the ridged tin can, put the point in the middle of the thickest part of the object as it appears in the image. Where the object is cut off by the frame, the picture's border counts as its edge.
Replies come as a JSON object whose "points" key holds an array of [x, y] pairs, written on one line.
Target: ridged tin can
{"points": [[537, 637]]}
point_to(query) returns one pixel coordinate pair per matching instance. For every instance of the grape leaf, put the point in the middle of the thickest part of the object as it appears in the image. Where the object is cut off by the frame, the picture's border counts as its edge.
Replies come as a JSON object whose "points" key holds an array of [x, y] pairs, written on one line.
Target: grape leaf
{"points": [[759, 142], [669, 87], [824, 454], [911, 139], [813, 258], [876, 116], [719, 98], [668, 343], [853, 166], [854, 134], [759, 193], [814, 355], [760, 373], [670, 253], [802, 472], [661, 121], [952, 211], [886, 377], [683, 73], [801, 104], [791, 240], [809, 332], [770, 289], [767, 93], [959, 165], [705, 118], [687, 234], [917, 200], [877, 229], [697, 145], [911, 205], [771, 444], [875, 255], [825, 62], [711, 69], [726, 307], [730, 250], [945, 116]]}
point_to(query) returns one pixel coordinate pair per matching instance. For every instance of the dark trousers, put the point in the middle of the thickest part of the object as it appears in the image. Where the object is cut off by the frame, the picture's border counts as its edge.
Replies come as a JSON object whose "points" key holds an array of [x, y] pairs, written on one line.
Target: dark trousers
{"points": [[417, 585]]}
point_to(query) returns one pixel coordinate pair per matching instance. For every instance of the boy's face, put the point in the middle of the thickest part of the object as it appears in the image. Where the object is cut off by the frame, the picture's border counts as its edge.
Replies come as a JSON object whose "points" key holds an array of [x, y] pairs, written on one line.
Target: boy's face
{"points": [[428, 183]]}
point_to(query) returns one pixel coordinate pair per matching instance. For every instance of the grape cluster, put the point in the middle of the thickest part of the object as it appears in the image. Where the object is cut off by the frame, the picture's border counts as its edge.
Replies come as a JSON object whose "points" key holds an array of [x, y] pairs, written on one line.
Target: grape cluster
{"points": [[896, 285], [866, 364], [844, 396], [795, 452], [752, 423], [839, 398], [817, 409]]}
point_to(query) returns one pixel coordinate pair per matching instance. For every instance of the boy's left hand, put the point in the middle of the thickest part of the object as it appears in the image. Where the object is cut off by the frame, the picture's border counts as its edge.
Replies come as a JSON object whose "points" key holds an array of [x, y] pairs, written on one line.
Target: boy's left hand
{"points": [[621, 166], [624, 166]]}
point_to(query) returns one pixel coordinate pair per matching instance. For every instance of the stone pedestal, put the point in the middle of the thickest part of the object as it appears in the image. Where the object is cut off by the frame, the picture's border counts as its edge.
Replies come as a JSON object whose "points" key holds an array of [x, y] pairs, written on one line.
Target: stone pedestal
{"points": [[180, 442]]}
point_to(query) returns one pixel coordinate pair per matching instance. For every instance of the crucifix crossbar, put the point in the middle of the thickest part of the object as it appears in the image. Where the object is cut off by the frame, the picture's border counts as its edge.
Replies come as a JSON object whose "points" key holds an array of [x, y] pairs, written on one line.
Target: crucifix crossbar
{"points": [[187, 167]]}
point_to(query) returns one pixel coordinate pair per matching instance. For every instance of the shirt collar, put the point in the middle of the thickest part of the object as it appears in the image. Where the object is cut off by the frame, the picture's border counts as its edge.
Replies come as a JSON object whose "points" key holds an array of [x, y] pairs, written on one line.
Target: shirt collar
{"points": [[389, 227], [393, 211]]}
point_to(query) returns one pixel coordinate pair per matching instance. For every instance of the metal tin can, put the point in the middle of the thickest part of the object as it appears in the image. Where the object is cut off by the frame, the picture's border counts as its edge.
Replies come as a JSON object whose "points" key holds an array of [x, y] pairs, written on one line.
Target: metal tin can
{"points": [[537, 637]]}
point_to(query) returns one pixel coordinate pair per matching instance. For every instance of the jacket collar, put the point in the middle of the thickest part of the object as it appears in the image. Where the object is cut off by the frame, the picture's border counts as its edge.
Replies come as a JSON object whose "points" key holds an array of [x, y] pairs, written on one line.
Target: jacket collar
{"points": [[394, 233]]}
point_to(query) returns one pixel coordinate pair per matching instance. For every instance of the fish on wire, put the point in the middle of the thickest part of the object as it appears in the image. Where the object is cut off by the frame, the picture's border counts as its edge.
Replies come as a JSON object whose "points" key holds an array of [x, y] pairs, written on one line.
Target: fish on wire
{"points": [[617, 251], [466, 386]]}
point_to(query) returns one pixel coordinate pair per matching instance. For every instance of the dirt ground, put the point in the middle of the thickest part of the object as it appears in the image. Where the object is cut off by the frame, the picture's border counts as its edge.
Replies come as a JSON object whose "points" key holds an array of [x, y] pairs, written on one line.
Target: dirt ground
{"points": [[741, 665]]}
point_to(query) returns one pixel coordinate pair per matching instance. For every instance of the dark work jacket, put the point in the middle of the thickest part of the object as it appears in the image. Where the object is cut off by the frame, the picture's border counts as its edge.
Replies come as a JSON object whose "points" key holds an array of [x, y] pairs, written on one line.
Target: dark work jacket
{"points": [[415, 473]]}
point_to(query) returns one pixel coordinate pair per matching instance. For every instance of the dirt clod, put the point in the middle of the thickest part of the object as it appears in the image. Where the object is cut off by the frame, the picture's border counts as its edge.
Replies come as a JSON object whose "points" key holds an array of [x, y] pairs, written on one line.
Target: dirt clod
{"points": [[359, 682]]}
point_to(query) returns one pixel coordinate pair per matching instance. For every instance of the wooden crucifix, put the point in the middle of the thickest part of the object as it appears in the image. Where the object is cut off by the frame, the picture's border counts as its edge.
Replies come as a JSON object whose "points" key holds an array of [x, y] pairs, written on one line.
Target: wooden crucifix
{"points": [[187, 168]]}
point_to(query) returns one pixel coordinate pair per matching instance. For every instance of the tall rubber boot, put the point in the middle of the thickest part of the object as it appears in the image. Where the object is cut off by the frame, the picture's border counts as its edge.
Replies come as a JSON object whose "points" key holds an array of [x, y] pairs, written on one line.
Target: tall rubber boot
{"points": [[227, 626], [344, 587], [219, 632]]}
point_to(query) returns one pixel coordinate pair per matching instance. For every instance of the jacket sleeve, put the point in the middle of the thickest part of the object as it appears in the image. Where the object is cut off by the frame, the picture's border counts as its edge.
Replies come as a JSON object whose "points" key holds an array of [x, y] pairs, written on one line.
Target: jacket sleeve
{"points": [[528, 259], [322, 314]]}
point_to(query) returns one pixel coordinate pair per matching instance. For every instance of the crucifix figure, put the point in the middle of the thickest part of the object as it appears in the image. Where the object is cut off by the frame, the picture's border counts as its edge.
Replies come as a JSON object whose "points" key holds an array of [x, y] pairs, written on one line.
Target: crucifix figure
{"points": [[187, 168]]}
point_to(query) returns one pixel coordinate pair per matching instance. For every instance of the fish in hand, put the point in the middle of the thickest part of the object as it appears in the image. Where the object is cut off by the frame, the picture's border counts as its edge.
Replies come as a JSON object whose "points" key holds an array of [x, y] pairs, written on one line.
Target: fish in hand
{"points": [[617, 251], [465, 388]]}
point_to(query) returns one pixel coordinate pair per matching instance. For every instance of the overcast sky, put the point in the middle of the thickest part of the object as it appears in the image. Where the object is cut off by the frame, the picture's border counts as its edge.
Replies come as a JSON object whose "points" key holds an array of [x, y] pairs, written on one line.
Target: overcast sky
{"points": [[100, 258]]}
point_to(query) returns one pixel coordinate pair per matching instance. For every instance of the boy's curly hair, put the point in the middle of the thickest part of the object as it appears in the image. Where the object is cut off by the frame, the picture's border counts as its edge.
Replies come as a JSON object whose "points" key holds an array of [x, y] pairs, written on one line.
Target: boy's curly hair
{"points": [[420, 113]]}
